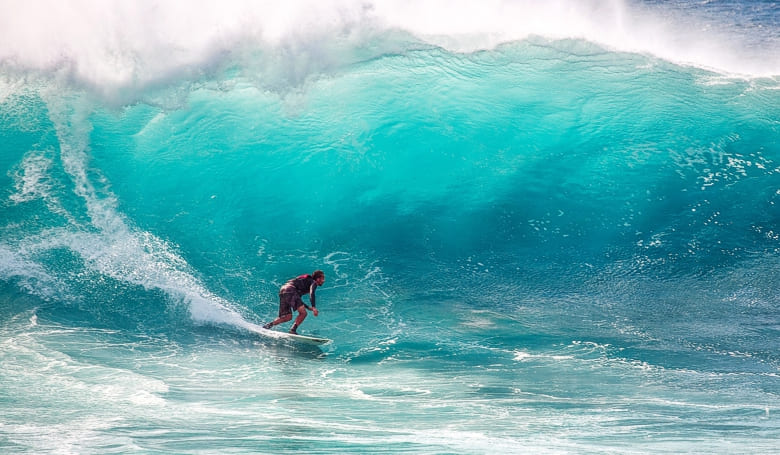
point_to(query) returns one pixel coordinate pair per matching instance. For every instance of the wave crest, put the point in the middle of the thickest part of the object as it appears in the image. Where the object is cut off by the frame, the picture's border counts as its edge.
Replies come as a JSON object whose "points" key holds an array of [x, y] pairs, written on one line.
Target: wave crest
{"points": [[115, 47]]}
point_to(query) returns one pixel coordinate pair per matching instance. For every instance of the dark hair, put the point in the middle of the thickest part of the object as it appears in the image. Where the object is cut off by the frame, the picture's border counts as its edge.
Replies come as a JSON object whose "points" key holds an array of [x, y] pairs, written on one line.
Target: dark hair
{"points": [[317, 274]]}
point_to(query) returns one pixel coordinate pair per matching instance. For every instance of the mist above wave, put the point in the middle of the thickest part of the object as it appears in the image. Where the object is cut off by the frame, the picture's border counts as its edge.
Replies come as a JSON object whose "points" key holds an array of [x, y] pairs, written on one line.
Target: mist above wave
{"points": [[116, 47]]}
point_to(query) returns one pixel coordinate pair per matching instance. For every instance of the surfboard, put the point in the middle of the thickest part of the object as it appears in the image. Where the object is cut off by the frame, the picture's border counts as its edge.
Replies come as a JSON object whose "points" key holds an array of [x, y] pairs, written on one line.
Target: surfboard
{"points": [[303, 339]]}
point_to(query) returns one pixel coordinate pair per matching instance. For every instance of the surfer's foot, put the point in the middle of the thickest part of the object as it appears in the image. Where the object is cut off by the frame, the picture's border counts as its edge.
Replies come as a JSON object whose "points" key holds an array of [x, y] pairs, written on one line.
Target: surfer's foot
{"points": [[269, 325], [293, 331]]}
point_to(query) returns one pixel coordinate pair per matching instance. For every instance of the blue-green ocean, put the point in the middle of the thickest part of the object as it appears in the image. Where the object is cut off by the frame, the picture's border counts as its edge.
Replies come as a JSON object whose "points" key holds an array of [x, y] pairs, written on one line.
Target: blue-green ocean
{"points": [[546, 227]]}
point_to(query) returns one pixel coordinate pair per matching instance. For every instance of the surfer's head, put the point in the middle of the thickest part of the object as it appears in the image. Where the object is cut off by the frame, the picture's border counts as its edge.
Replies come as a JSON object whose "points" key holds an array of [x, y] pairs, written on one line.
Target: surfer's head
{"points": [[319, 277]]}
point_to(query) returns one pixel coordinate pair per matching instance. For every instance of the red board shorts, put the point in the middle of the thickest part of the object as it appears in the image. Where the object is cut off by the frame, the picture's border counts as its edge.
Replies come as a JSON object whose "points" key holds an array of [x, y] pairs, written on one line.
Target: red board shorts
{"points": [[289, 300]]}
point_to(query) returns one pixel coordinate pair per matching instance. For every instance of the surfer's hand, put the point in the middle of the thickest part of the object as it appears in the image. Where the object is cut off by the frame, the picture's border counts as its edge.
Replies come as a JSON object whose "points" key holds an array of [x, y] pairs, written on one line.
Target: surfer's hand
{"points": [[315, 311]]}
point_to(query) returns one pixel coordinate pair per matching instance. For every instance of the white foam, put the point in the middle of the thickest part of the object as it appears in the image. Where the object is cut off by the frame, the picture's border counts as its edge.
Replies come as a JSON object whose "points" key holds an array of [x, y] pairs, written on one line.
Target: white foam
{"points": [[117, 44], [32, 179], [31, 275], [107, 243]]}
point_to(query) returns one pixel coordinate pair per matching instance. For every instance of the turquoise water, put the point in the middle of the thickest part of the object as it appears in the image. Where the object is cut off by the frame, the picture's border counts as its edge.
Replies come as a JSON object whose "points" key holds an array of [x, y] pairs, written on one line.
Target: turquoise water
{"points": [[533, 242]]}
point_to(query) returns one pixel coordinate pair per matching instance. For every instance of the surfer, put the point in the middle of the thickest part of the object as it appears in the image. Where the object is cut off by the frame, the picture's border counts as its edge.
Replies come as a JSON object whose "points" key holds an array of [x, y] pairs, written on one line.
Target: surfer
{"points": [[290, 299]]}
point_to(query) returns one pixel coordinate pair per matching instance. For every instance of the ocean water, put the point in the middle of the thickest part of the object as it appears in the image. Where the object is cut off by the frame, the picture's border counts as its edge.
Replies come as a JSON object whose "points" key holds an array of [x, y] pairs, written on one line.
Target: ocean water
{"points": [[545, 228]]}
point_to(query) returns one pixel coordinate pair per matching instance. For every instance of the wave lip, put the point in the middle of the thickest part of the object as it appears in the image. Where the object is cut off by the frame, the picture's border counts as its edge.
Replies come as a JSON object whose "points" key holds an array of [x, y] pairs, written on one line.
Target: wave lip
{"points": [[119, 45]]}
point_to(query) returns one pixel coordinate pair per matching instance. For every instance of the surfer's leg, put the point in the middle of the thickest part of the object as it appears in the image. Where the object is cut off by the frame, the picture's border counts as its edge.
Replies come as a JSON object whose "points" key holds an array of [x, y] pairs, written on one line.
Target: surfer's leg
{"points": [[282, 319], [278, 320], [285, 310], [301, 316]]}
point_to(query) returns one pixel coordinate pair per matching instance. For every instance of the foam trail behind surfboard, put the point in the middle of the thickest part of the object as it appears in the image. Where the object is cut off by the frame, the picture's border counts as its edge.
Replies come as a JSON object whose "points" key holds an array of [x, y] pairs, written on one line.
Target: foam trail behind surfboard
{"points": [[105, 240]]}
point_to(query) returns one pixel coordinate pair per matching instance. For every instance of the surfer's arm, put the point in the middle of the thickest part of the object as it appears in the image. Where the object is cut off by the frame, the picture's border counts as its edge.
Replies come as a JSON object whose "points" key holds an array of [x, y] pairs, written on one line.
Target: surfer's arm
{"points": [[313, 298]]}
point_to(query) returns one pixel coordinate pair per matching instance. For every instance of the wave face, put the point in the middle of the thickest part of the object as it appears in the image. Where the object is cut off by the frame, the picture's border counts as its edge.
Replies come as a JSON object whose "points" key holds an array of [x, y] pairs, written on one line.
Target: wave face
{"points": [[526, 215]]}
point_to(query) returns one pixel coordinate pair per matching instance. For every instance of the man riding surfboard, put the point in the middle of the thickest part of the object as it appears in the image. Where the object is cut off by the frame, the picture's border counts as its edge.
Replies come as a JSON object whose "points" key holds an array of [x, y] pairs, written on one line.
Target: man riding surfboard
{"points": [[290, 299]]}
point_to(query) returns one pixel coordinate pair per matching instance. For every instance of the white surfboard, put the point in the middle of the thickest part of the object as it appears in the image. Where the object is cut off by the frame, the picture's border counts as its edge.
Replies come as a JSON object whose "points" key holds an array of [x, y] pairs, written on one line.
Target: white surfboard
{"points": [[285, 335]]}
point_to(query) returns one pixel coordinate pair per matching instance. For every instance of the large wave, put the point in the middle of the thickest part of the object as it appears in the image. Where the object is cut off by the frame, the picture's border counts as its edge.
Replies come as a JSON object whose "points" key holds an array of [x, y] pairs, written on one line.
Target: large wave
{"points": [[203, 154], [529, 214]]}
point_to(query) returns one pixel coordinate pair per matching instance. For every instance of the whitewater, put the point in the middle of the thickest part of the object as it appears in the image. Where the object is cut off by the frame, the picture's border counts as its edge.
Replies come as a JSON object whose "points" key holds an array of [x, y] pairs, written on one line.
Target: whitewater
{"points": [[546, 227]]}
